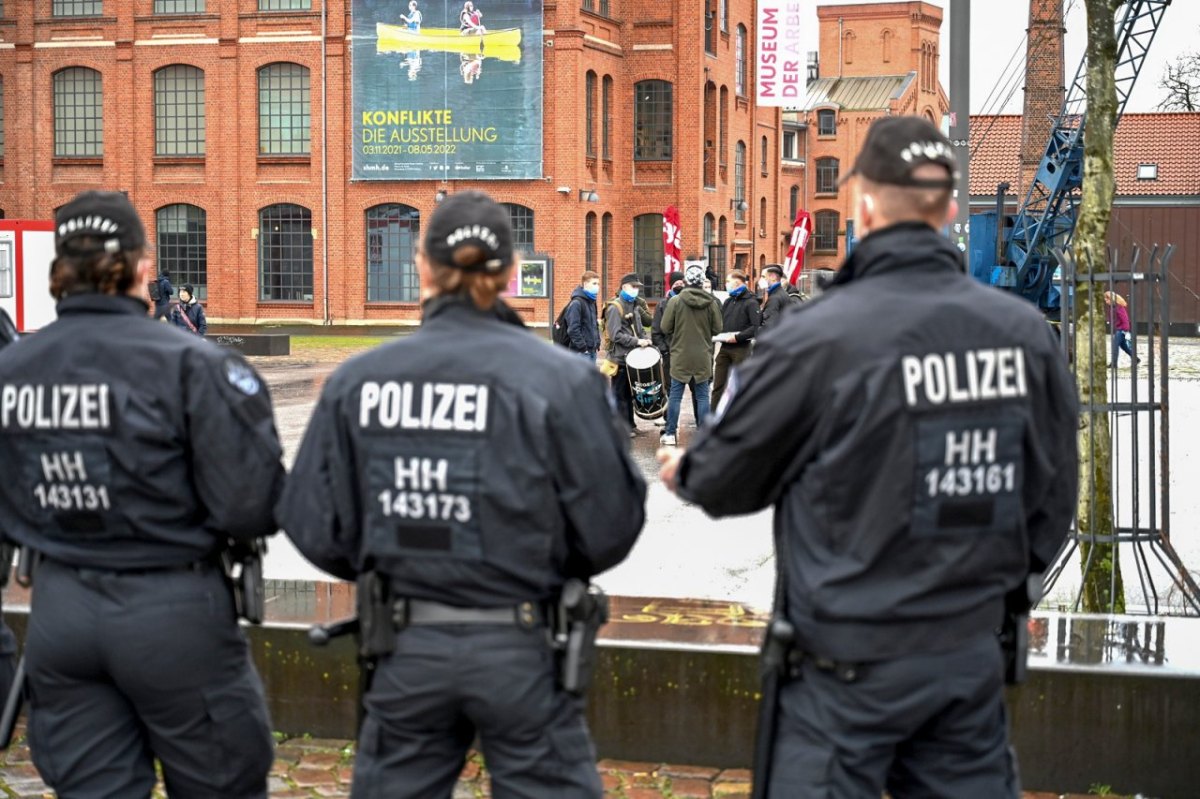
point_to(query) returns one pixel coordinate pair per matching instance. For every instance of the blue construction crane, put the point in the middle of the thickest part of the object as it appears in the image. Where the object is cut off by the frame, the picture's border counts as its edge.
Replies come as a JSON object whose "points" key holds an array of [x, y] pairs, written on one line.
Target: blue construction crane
{"points": [[1018, 256]]}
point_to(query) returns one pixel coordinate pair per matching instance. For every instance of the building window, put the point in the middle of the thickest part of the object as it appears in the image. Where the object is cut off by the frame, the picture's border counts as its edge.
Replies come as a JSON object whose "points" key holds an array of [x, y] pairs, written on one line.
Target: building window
{"points": [[739, 183], [179, 111], [762, 216], [825, 231], [709, 231], [78, 113], [589, 242], [710, 28], [827, 175], [77, 8], [522, 226], [723, 148], [606, 118], [179, 7], [790, 149], [283, 110], [182, 242], [284, 5], [763, 157], [1, 120], [393, 231], [648, 253], [739, 61], [285, 253], [887, 46], [652, 121], [605, 249], [826, 123], [793, 202], [724, 15], [848, 47], [590, 115]]}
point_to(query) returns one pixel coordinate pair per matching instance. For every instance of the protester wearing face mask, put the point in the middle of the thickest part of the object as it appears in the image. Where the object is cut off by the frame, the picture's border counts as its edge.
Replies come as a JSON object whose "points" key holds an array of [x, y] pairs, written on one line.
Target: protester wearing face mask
{"points": [[581, 319], [661, 341], [740, 317], [775, 301], [622, 327]]}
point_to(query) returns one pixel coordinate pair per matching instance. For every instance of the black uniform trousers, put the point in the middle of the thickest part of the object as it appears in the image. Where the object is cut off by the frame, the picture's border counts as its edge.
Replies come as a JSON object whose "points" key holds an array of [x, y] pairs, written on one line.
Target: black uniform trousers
{"points": [[623, 394], [729, 357], [930, 725], [126, 668], [441, 686]]}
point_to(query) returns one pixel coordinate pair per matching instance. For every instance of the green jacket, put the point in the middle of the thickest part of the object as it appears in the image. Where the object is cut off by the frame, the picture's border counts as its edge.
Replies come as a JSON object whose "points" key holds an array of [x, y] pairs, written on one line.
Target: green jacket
{"points": [[692, 318]]}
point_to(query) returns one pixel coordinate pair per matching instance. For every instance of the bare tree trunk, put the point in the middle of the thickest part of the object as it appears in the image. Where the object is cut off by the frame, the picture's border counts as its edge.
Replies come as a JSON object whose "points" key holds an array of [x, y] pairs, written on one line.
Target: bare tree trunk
{"points": [[1103, 589]]}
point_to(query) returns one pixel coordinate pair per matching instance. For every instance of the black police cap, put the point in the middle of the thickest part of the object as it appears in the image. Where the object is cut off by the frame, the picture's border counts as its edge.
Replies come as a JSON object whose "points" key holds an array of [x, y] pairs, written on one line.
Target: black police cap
{"points": [[896, 146], [105, 215], [470, 218]]}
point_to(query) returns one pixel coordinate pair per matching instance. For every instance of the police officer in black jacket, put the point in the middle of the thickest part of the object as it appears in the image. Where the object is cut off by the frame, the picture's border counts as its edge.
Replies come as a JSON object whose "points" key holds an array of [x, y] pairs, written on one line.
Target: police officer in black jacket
{"points": [[476, 470], [740, 316], [915, 431], [128, 488]]}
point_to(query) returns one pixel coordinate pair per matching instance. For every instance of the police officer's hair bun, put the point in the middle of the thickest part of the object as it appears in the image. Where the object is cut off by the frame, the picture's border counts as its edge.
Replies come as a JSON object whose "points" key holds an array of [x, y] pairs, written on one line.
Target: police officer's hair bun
{"points": [[483, 288], [468, 255], [86, 266]]}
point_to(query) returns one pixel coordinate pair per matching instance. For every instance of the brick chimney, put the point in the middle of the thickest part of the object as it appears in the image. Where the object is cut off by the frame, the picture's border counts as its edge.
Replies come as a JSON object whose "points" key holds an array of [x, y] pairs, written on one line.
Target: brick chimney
{"points": [[1043, 85]]}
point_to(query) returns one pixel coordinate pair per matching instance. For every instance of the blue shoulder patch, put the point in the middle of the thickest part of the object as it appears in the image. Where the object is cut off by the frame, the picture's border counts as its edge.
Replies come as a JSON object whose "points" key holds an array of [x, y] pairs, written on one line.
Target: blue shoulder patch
{"points": [[242, 377]]}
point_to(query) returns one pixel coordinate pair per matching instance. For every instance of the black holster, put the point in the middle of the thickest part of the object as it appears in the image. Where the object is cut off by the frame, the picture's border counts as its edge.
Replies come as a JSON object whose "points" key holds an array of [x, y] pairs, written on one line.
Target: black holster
{"points": [[377, 622], [1014, 630], [243, 565], [576, 619]]}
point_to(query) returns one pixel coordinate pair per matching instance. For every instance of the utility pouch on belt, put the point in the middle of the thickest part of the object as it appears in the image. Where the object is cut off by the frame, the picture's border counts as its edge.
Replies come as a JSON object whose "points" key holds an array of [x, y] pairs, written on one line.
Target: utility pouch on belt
{"points": [[582, 610], [376, 615], [243, 564], [1014, 631]]}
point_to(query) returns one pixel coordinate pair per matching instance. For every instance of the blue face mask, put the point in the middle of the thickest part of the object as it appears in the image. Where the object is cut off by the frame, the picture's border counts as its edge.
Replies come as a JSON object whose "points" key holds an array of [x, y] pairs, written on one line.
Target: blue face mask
{"points": [[772, 286], [737, 292], [629, 297], [591, 292]]}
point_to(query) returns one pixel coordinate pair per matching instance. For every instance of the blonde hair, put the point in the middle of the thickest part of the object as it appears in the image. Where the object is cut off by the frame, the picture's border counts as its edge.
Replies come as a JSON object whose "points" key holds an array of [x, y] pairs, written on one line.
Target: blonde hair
{"points": [[483, 288], [88, 268], [1113, 296]]}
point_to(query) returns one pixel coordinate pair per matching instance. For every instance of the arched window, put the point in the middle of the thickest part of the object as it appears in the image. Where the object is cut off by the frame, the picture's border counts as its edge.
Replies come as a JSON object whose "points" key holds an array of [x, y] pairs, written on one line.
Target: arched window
{"points": [[1, 120], [739, 61], [762, 216], [285, 253], [179, 111], [793, 202], [710, 134], [739, 182], [393, 231], [826, 122], [78, 113], [710, 229], [606, 118], [714, 246], [652, 121], [827, 175], [590, 115], [887, 46], [606, 223], [763, 157], [723, 145], [848, 47], [522, 226], [284, 117], [825, 231], [182, 243], [589, 242], [648, 252]]}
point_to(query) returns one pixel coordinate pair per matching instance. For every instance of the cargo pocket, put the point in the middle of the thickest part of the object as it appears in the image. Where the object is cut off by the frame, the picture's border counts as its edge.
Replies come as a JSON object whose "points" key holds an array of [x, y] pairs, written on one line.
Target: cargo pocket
{"points": [[240, 737]]}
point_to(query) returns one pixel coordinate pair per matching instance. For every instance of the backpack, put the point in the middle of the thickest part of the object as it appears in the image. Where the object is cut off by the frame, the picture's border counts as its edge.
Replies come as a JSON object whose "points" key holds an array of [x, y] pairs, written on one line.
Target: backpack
{"points": [[155, 291], [605, 341], [562, 336]]}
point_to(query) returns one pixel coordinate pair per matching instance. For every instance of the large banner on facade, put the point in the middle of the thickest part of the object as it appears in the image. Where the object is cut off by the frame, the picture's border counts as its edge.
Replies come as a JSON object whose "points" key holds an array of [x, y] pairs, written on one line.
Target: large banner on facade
{"points": [[780, 66], [448, 89]]}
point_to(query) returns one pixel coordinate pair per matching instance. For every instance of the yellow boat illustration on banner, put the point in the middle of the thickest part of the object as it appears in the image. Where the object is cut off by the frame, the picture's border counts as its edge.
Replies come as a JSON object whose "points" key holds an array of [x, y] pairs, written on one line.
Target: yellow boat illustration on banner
{"points": [[504, 44]]}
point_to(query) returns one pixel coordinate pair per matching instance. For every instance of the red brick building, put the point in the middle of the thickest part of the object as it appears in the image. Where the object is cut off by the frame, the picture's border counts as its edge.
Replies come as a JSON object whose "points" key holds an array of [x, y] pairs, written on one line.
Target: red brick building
{"points": [[875, 60], [228, 123]]}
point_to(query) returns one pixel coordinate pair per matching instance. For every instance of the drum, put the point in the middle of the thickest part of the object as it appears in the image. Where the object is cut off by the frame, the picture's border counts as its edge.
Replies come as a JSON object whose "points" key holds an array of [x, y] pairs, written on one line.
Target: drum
{"points": [[647, 383]]}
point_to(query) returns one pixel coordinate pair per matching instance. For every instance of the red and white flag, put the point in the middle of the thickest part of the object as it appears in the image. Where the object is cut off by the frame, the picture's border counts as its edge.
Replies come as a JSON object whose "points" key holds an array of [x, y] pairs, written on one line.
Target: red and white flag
{"points": [[793, 265], [672, 248]]}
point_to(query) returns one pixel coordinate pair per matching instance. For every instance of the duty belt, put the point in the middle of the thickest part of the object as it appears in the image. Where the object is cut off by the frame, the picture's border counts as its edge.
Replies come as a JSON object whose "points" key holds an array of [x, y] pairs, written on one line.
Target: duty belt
{"points": [[425, 612], [845, 672]]}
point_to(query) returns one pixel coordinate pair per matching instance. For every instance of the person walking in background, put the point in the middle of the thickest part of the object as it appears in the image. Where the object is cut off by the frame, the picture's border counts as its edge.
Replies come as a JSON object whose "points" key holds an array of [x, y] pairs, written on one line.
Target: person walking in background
{"points": [[413, 18], [160, 295], [583, 332], [1122, 333], [189, 313], [691, 321], [739, 325]]}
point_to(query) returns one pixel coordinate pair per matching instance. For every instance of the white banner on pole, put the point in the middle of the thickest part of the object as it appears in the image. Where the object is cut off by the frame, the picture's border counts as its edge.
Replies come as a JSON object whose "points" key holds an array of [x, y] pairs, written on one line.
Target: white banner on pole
{"points": [[780, 67]]}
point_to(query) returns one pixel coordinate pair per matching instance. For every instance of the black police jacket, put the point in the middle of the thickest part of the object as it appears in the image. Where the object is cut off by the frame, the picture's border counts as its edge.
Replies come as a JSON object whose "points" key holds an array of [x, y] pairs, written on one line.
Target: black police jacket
{"points": [[129, 444], [470, 462], [915, 431]]}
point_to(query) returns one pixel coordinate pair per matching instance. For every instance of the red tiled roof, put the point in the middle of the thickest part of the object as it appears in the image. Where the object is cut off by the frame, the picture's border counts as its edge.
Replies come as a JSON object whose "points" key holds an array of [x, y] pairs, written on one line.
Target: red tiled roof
{"points": [[1170, 140]]}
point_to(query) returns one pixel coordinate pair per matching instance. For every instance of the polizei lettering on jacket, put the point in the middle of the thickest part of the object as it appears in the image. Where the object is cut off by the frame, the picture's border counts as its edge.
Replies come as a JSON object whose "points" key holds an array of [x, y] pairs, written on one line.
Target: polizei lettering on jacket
{"points": [[452, 407], [55, 407], [971, 376]]}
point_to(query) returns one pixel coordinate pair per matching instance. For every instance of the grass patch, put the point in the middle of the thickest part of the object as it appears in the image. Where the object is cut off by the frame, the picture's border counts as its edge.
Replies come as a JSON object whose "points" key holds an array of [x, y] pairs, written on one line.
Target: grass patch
{"points": [[339, 342]]}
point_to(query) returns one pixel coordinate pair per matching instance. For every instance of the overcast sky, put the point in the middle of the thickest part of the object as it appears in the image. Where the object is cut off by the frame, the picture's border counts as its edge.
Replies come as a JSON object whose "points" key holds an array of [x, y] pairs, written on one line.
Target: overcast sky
{"points": [[998, 29]]}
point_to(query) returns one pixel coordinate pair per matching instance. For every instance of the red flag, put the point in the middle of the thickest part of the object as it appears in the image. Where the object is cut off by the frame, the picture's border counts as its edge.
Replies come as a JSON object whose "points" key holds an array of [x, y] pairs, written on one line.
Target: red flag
{"points": [[793, 265], [672, 248]]}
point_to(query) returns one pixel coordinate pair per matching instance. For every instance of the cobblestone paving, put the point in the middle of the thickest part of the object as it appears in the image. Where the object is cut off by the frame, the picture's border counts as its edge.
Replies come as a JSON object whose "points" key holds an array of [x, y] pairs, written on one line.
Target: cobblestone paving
{"points": [[320, 769]]}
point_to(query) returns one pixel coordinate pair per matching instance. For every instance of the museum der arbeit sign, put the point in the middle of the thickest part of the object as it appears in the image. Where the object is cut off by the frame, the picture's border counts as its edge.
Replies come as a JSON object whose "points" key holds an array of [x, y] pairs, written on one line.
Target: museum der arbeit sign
{"points": [[779, 68], [448, 90]]}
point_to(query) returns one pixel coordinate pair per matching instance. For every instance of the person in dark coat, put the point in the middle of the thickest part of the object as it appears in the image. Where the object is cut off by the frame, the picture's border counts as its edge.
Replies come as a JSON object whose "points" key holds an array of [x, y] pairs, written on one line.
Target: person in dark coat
{"points": [[691, 321], [625, 331], [162, 305], [775, 301], [189, 313], [580, 317], [739, 325]]}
